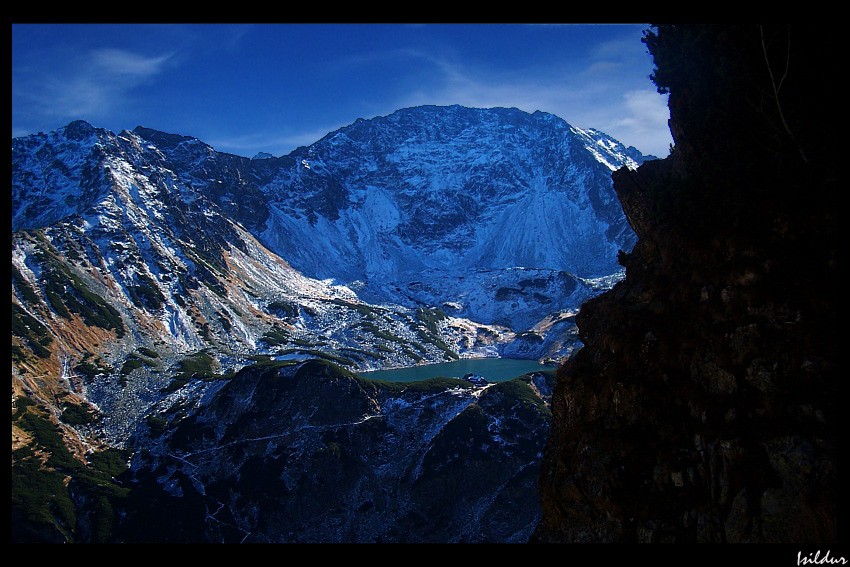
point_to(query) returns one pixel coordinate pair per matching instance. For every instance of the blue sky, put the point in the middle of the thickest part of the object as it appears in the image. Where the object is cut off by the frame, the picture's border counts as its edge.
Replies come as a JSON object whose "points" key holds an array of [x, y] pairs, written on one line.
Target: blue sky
{"points": [[246, 88]]}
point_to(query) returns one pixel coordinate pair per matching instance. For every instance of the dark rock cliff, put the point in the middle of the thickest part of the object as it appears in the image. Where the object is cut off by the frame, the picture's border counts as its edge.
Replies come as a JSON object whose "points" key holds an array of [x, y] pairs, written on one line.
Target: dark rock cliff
{"points": [[704, 405]]}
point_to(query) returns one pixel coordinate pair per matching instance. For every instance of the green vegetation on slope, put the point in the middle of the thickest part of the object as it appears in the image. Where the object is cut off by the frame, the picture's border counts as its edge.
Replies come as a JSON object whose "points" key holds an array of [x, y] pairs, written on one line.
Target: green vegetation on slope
{"points": [[66, 293], [146, 294], [197, 366], [430, 317], [93, 368], [28, 294], [31, 332], [74, 414], [55, 497]]}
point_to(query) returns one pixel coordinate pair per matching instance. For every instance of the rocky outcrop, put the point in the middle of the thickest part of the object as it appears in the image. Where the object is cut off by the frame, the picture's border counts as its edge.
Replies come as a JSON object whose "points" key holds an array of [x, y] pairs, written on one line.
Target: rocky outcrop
{"points": [[703, 406]]}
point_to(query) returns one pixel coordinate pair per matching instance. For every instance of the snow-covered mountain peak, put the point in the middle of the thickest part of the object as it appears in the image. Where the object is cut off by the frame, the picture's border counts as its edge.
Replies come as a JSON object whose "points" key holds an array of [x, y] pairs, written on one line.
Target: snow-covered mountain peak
{"points": [[57, 174]]}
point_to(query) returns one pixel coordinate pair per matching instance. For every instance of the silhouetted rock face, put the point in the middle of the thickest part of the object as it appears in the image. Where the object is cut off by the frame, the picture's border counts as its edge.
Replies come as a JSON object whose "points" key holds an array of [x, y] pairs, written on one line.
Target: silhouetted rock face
{"points": [[703, 407]]}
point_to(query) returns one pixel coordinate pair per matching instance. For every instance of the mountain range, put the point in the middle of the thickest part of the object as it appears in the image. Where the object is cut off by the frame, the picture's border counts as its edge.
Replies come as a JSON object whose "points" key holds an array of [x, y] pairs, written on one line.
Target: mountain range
{"points": [[147, 268]]}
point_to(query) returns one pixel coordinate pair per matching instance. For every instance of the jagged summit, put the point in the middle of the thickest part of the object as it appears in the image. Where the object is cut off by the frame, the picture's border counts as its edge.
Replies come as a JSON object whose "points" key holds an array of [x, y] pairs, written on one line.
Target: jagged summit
{"points": [[58, 174], [78, 130]]}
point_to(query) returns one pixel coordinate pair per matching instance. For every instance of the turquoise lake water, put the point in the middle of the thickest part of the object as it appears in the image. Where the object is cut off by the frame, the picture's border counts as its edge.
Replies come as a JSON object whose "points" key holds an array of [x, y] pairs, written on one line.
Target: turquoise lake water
{"points": [[493, 369]]}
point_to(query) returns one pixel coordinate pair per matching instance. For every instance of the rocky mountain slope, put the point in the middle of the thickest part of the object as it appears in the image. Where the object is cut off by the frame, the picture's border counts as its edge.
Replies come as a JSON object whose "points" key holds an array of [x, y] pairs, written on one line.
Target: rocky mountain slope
{"points": [[704, 405], [146, 242]]}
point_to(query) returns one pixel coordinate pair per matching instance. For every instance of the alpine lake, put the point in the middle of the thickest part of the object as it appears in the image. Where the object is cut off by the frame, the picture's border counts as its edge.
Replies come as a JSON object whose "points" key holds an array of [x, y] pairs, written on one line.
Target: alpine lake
{"points": [[491, 369]]}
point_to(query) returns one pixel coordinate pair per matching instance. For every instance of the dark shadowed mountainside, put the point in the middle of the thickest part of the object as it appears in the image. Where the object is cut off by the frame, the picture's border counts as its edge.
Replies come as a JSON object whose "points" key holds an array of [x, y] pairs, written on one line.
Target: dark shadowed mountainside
{"points": [[704, 406], [312, 453]]}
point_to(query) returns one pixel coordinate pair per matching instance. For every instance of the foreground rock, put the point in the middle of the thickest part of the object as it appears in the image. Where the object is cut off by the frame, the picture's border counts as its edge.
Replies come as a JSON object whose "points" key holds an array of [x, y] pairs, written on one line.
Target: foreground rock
{"points": [[704, 405]]}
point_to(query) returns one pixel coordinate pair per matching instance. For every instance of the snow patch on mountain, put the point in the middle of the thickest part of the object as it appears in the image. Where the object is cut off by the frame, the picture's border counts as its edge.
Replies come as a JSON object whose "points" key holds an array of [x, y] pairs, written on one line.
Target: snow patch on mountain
{"points": [[606, 149]]}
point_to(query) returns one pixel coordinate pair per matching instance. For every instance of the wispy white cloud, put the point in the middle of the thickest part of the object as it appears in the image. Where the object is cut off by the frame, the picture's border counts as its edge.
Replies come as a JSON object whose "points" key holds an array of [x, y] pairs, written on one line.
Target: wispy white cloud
{"points": [[645, 122], [451, 82], [121, 62], [614, 49], [86, 84], [592, 96], [647, 109], [602, 67]]}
